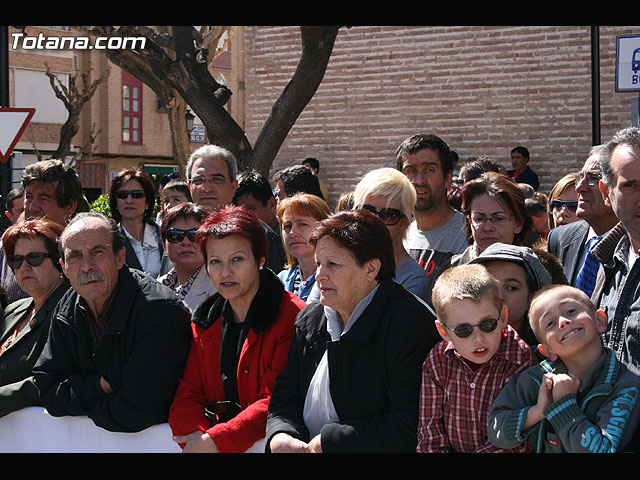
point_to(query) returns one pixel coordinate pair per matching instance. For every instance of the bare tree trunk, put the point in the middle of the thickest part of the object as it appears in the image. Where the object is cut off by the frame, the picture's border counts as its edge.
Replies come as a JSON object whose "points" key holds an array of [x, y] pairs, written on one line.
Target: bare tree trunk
{"points": [[317, 45], [174, 63]]}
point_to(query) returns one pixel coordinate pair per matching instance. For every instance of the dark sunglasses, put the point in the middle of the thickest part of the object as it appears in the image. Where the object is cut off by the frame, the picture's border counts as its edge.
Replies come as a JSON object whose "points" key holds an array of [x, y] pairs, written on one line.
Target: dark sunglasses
{"points": [[390, 216], [572, 206], [33, 258], [222, 411], [464, 329], [122, 194], [176, 235]]}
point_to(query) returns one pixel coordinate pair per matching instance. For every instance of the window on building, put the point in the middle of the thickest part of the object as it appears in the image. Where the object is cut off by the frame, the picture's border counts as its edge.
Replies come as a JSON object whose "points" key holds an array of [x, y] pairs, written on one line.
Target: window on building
{"points": [[93, 177], [131, 109]]}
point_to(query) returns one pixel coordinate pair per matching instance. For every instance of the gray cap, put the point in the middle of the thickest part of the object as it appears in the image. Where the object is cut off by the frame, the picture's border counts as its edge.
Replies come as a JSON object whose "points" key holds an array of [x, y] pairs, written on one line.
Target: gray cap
{"points": [[524, 256]]}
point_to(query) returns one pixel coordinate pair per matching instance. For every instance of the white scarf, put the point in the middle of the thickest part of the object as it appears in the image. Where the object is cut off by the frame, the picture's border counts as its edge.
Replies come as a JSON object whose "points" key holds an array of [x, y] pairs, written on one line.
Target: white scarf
{"points": [[318, 405]]}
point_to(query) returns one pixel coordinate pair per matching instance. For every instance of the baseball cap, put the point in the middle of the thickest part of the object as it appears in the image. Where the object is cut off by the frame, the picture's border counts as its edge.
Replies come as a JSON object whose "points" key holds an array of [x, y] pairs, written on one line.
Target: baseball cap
{"points": [[524, 256]]}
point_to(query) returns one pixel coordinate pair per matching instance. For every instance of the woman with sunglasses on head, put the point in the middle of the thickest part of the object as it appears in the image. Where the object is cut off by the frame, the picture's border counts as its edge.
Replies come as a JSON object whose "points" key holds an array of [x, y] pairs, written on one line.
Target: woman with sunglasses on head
{"points": [[563, 201], [31, 251], [389, 194], [495, 211], [241, 336], [298, 216], [188, 277], [132, 199]]}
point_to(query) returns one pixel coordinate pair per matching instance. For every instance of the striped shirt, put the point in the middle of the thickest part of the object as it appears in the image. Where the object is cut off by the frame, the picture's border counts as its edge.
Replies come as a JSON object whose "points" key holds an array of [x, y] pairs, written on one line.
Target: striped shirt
{"points": [[455, 398]]}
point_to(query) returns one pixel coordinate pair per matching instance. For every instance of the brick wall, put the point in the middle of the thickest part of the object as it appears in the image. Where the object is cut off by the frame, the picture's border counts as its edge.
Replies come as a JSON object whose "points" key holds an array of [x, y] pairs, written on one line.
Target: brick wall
{"points": [[483, 89]]}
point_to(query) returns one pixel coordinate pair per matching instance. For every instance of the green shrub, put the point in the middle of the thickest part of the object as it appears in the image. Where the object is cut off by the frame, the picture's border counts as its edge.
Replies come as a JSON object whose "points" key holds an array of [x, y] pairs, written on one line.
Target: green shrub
{"points": [[101, 205]]}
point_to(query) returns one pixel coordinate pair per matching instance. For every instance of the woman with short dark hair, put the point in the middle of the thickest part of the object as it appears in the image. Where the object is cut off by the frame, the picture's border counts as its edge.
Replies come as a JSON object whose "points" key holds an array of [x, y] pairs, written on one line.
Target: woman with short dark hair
{"points": [[31, 251], [352, 379], [241, 336], [188, 277]]}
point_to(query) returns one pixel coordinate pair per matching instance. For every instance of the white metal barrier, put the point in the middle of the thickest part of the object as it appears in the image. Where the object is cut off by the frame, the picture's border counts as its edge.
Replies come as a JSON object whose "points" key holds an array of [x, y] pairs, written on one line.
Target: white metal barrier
{"points": [[33, 430]]}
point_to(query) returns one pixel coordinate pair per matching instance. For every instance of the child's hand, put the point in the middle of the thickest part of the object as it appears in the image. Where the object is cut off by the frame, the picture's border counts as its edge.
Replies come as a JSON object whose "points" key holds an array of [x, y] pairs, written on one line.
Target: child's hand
{"points": [[564, 384], [545, 392], [536, 412]]}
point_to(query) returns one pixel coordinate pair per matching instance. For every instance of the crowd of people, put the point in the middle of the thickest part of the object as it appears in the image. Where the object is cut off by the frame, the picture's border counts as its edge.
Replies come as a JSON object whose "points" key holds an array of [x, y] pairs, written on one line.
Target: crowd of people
{"points": [[433, 309]]}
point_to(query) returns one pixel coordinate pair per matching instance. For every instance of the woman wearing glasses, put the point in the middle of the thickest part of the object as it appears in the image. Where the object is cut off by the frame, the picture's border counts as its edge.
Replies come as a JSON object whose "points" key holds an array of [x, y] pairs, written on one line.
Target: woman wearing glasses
{"points": [[31, 250], [563, 201], [495, 211], [298, 216], [132, 199], [188, 277], [389, 194], [241, 336], [352, 380]]}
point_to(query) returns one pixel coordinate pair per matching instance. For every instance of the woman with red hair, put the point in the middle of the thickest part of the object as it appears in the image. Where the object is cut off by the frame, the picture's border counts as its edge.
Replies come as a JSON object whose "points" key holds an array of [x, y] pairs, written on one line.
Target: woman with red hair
{"points": [[31, 250], [241, 338]]}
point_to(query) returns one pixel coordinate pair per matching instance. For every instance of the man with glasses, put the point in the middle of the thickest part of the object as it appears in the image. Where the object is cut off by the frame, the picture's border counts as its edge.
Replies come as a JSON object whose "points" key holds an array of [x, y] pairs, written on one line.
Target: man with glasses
{"points": [[211, 175], [120, 339], [618, 287], [436, 233], [571, 243]]}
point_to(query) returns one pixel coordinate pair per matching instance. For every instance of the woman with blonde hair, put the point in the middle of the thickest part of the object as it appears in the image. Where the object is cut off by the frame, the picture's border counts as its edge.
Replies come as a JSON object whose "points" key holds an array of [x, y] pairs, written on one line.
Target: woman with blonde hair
{"points": [[563, 201], [298, 216], [389, 194]]}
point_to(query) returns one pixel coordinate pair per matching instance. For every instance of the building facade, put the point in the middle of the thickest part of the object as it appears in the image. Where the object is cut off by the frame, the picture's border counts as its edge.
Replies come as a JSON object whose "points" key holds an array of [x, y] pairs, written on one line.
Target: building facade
{"points": [[130, 121], [484, 89]]}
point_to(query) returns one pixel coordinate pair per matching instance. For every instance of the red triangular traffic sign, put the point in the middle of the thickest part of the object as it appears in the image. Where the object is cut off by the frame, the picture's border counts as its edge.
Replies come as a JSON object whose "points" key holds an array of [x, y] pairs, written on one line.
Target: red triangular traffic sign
{"points": [[13, 122]]}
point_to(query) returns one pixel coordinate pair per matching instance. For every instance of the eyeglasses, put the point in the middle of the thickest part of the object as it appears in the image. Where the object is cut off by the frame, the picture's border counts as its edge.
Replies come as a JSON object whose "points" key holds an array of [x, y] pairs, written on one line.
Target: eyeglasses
{"points": [[176, 235], [464, 329], [215, 179], [33, 258], [571, 206], [390, 216], [222, 411], [122, 194], [496, 220], [593, 178]]}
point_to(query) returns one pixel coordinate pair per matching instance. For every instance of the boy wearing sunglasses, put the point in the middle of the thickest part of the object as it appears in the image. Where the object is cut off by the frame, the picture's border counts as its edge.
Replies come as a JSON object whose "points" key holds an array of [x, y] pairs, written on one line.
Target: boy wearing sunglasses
{"points": [[581, 399], [464, 373]]}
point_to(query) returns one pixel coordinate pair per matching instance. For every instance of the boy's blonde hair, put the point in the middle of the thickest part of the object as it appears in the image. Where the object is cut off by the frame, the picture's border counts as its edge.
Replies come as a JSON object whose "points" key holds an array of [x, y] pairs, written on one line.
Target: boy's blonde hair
{"points": [[572, 292], [472, 281]]}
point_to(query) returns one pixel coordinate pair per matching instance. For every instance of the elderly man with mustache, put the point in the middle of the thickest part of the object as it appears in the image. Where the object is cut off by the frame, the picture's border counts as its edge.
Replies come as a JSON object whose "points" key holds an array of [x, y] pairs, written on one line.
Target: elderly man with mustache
{"points": [[118, 340]]}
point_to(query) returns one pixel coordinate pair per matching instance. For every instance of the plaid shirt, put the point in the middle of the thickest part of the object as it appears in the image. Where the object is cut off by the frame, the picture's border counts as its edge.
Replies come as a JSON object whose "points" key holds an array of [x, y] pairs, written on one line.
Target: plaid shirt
{"points": [[455, 400]]}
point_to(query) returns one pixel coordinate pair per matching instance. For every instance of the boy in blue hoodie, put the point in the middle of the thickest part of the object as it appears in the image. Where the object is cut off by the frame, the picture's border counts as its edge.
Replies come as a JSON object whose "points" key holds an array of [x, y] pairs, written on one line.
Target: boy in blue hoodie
{"points": [[581, 398]]}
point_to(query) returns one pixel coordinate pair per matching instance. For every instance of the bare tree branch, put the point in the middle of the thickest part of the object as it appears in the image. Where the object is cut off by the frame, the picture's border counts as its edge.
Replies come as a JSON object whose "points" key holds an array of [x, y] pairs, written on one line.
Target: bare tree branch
{"points": [[74, 98]]}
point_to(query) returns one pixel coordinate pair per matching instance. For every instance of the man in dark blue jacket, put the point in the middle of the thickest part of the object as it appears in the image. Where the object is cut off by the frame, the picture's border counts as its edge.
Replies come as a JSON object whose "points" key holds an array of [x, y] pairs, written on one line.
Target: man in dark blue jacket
{"points": [[118, 340]]}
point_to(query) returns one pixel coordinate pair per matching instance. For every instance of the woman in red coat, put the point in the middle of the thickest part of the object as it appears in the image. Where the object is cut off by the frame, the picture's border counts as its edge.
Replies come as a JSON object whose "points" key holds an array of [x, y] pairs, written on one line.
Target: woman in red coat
{"points": [[241, 338]]}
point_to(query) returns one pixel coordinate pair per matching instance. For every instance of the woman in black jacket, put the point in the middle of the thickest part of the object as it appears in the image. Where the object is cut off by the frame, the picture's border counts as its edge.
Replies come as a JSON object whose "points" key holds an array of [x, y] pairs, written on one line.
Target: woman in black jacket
{"points": [[132, 199], [352, 378], [31, 250]]}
